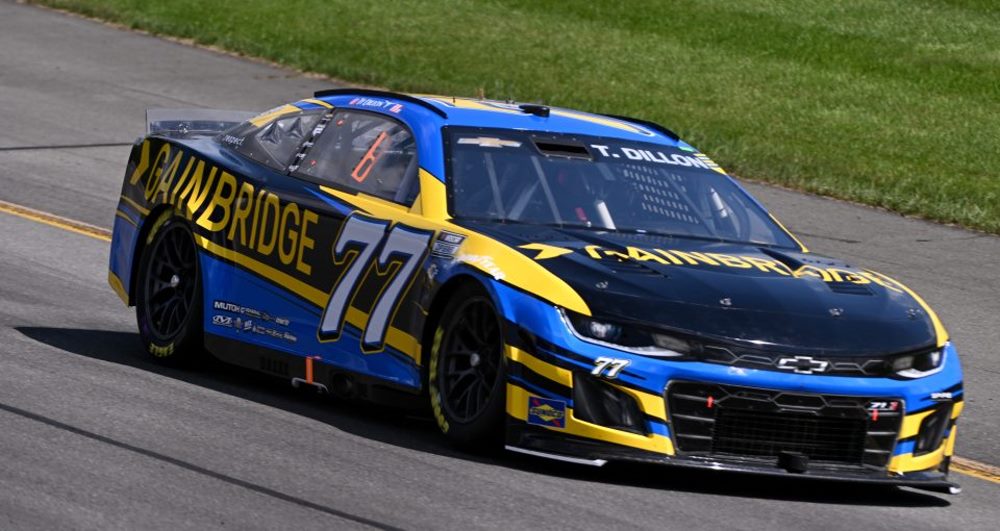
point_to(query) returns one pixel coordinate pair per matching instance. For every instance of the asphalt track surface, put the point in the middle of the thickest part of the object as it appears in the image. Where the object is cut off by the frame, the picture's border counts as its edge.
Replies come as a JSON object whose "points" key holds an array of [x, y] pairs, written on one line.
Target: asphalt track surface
{"points": [[94, 436]]}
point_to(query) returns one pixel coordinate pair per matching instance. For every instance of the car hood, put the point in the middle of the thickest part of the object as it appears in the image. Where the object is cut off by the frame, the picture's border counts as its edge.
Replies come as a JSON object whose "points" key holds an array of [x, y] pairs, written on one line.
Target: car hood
{"points": [[753, 295]]}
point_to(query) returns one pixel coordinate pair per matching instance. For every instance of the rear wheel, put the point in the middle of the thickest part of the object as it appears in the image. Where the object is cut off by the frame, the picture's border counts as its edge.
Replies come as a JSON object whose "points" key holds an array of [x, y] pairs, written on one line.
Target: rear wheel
{"points": [[168, 300], [467, 370]]}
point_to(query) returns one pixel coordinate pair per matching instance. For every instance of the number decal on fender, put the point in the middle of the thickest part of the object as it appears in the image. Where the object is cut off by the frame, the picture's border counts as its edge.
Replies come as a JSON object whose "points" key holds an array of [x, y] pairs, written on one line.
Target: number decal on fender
{"points": [[360, 238], [608, 367]]}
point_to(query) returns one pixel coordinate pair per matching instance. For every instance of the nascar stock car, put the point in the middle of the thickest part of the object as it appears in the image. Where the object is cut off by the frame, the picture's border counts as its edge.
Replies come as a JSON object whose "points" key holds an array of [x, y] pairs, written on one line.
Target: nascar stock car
{"points": [[582, 287]]}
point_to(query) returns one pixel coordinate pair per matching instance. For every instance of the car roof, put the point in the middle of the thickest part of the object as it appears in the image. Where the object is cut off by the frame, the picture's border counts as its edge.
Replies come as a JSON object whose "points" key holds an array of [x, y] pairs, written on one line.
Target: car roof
{"points": [[475, 112]]}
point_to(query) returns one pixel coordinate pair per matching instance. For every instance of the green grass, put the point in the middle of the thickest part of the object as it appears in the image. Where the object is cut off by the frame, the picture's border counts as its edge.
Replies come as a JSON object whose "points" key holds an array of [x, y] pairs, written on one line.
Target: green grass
{"points": [[894, 103]]}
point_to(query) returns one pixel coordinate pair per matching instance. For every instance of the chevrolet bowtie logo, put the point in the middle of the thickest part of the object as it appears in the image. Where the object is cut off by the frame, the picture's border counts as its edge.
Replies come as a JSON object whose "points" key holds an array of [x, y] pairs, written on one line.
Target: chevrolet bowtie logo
{"points": [[803, 365]]}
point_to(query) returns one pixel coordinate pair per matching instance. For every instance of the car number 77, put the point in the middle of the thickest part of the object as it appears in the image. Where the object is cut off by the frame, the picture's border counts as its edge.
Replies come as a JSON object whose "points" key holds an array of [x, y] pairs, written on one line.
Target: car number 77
{"points": [[608, 367], [361, 237]]}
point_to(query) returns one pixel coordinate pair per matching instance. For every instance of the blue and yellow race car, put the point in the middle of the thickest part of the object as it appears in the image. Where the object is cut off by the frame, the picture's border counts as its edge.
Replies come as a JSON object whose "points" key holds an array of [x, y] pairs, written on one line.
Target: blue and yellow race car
{"points": [[582, 287]]}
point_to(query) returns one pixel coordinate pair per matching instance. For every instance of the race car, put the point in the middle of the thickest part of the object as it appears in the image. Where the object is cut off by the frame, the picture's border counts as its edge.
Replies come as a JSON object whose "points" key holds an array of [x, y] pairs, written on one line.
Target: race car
{"points": [[575, 286]]}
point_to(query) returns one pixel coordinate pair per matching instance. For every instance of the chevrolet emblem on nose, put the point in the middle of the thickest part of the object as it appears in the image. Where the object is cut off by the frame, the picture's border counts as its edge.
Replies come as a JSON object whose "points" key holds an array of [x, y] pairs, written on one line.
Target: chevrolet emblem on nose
{"points": [[803, 365]]}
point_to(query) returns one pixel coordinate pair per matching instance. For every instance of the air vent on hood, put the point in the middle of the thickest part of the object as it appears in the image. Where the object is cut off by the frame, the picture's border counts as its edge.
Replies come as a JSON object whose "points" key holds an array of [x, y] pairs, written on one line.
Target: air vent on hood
{"points": [[630, 266], [849, 288], [563, 149], [791, 262]]}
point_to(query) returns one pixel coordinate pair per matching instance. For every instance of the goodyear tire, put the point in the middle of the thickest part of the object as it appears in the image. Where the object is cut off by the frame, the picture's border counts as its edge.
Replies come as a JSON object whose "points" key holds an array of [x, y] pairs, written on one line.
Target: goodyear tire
{"points": [[168, 306], [466, 377]]}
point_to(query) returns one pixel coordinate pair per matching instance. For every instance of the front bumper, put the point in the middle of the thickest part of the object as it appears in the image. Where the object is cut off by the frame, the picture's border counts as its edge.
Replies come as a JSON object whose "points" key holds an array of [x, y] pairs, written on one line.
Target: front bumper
{"points": [[544, 444], [545, 365]]}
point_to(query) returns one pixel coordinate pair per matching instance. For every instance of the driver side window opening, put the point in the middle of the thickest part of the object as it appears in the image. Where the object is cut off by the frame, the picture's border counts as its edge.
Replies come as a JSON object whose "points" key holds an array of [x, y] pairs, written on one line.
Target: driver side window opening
{"points": [[364, 152]]}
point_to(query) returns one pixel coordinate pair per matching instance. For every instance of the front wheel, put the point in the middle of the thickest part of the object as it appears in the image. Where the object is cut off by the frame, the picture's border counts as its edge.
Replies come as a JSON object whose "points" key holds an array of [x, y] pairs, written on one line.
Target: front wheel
{"points": [[467, 370], [168, 299]]}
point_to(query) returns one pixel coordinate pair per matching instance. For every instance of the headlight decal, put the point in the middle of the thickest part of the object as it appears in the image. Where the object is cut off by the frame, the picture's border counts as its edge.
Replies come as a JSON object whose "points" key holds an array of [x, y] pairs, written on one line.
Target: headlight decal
{"points": [[633, 340], [919, 365]]}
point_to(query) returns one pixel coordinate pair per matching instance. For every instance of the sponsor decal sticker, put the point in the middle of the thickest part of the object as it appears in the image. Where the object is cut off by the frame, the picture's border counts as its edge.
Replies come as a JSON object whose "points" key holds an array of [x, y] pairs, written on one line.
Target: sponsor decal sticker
{"points": [[695, 160], [676, 257], [447, 244], [273, 333], [233, 140], [377, 103], [877, 406], [246, 311], [485, 263], [490, 142], [546, 412], [883, 405], [257, 222]]}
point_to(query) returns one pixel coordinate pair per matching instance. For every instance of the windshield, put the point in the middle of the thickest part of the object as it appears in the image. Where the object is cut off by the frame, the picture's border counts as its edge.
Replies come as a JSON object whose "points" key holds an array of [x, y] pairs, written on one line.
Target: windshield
{"points": [[599, 184]]}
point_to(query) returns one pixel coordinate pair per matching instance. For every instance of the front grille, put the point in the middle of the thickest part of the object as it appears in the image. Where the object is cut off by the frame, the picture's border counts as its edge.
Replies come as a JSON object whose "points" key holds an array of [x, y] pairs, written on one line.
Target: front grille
{"points": [[768, 434], [722, 420]]}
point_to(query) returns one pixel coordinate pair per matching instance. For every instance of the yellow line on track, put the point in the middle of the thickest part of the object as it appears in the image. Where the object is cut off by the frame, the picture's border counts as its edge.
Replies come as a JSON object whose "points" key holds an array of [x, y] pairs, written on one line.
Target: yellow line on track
{"points": [[975, 469], [78, 227], [961, 465]]}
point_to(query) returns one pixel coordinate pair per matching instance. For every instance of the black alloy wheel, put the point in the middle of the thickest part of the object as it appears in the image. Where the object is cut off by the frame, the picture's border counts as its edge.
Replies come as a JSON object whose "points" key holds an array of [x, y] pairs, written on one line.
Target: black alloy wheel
{"points": [[468, 384], [170, 282], [168, 304], [470, 359]]}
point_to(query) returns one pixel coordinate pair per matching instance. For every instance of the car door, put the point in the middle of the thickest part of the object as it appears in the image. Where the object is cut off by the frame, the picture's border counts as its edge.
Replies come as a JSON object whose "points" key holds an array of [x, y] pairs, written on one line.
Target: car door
{"points": [[324, 279], [367, 268]]}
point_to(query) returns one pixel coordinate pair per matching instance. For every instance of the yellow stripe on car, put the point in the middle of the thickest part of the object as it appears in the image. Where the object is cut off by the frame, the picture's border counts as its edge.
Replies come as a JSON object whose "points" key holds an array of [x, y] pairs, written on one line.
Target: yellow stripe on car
{"points": [[556, 374], [911, 423], [117, 285], [124, 217], [139, 208], [911, 463], [321, 103], [790, 234], [652, 405], [609, 122], [267, 117], [490, 106]]}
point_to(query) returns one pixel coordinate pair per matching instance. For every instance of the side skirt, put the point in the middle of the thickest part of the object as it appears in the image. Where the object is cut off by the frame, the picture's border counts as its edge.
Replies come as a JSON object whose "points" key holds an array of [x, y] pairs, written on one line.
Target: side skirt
{"points": [[305, 372]]}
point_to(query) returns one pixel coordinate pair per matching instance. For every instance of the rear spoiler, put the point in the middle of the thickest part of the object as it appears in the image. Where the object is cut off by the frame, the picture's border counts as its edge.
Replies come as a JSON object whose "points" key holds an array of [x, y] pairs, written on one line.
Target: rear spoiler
{"points": [[185, 123]]}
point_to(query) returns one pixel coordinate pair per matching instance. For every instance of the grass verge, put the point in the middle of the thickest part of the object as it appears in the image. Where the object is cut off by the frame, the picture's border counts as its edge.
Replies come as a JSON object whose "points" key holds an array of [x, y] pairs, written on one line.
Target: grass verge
{"points": [[892, 103]]}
